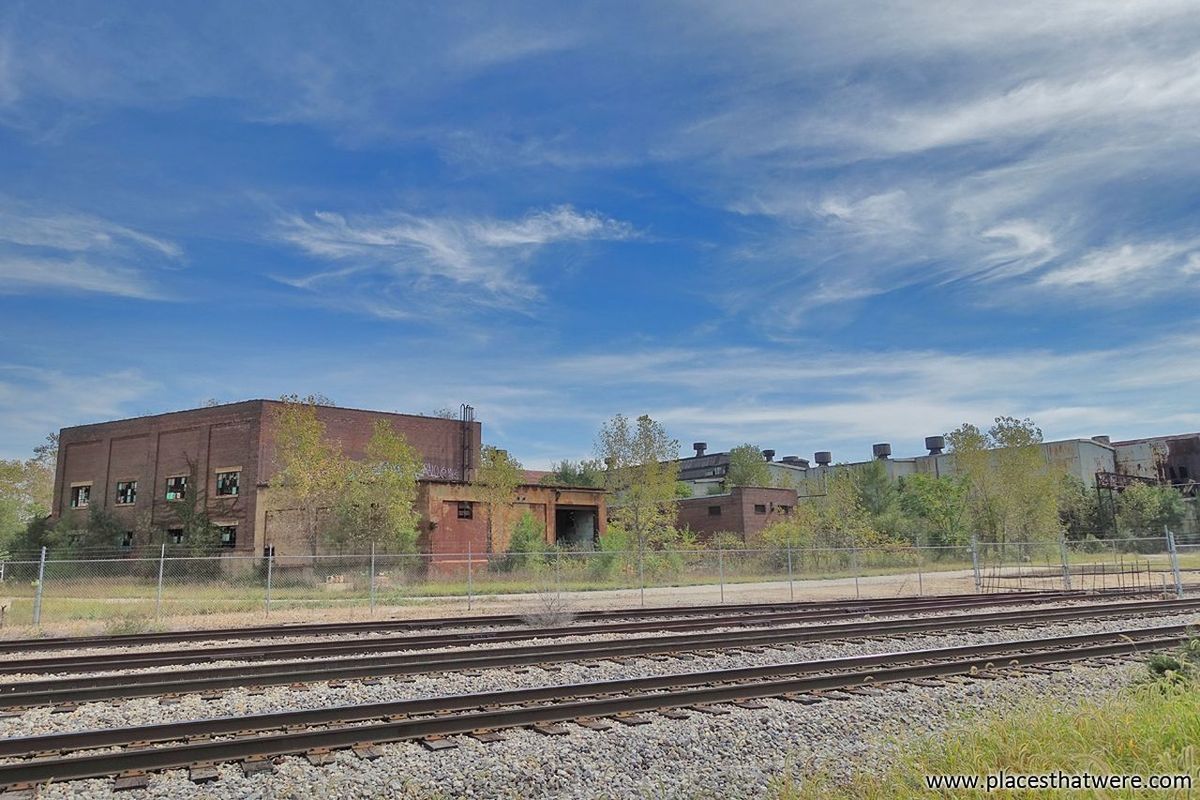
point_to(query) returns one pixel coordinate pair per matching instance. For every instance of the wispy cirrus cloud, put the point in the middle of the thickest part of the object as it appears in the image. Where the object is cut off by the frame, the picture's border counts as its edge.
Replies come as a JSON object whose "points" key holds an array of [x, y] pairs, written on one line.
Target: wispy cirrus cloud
{"points": [[388, 264], [66, 252]]}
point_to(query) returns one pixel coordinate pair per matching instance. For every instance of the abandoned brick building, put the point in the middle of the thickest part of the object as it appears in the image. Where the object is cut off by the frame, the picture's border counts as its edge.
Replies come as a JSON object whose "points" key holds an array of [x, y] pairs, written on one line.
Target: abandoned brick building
{"points": [[140, 469]]}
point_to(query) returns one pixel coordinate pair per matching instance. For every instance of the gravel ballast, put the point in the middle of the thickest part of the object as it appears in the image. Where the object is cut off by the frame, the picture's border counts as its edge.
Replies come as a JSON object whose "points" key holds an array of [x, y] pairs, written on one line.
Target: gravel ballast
{"points": [[730, 756]]}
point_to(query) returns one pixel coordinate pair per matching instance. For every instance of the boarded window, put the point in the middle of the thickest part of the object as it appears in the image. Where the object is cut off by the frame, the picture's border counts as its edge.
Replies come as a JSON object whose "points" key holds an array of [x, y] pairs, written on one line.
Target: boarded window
{"points": [[465, 511], [80, 495], [760, 508], [227, 484], [177, 487], [714, 511], [126, 493]]}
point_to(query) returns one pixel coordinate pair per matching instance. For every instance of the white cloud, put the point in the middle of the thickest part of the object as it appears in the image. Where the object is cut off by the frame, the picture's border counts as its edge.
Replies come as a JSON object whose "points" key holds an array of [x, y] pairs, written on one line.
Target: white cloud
{"points": [[1135, 268], [78, 253], [397, 258], [35, 401]]}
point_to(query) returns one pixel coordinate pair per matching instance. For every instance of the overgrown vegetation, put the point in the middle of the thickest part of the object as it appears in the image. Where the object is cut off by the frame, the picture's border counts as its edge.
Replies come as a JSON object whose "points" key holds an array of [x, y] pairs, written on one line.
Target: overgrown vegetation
{"points": [[641, 478], [1149, 729]]}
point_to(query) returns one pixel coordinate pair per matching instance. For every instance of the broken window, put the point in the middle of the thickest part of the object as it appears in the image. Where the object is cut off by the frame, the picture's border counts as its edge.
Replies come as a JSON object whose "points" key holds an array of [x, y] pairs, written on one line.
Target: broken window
{"points": [[465, 511], [177, 487], [80, 495], [126, 493], [175, 535], [228, 535], [127, 539], [760, 508], [227, 484], [714, 511]]}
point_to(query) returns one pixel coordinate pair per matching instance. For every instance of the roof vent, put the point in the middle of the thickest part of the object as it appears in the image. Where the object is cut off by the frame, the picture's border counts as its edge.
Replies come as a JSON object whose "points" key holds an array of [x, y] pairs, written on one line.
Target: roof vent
{"points": [[1102, 439], [881, 450], [823, 457], [768, 455], [789, 459], [699, 447], [935, 445]]}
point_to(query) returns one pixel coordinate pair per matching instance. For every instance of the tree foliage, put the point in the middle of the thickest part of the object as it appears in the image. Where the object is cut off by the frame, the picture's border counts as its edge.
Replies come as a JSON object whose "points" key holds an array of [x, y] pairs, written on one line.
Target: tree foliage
{"points": [[1144, 509], [496, 480], [938, 506], [26, 491], [586, 472], [641, 472], [747, 467], [1013, 490], [377, 504], [309, 469]]}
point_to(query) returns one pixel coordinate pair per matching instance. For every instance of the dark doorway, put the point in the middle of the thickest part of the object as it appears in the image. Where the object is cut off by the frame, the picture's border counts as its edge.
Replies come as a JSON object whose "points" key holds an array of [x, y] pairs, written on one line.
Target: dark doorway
{"points": [[575, 526]]}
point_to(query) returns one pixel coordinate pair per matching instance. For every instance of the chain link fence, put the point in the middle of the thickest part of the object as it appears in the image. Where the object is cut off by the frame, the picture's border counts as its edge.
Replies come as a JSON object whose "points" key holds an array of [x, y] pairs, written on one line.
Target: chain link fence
{"points": [[127, 592]]}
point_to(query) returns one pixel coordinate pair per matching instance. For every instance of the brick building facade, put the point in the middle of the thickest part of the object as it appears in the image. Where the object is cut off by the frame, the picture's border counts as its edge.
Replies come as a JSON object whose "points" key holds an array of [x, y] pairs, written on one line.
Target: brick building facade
{"points": [[743, 511], [140, 469]]}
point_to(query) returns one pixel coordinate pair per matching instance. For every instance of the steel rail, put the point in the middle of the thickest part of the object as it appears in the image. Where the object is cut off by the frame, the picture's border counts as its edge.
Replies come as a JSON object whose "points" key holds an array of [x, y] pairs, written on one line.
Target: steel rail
{"points": [[435, 623], [697, 689], [98, 662], [124, 686]]}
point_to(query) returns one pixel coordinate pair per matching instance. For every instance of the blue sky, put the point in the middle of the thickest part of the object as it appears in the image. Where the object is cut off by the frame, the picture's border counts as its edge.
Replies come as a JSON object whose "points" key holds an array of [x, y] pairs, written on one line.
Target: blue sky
{"points": [[806, 225]]}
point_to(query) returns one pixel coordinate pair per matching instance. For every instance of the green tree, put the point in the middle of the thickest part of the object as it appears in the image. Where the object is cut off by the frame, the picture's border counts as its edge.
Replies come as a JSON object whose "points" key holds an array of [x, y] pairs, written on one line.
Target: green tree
{"points": [[938, 506], [497, 480], [877, 493], [1143, 509], [310, 471], [587, 472], [26, 491], [527, 546], [641, 471], [1014, 491], [747, 467], [378, 502]]}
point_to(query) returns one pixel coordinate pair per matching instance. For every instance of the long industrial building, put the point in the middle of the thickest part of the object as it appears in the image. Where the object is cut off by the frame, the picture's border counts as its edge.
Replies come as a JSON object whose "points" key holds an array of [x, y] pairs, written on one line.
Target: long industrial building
{"points": [[144, 469]]}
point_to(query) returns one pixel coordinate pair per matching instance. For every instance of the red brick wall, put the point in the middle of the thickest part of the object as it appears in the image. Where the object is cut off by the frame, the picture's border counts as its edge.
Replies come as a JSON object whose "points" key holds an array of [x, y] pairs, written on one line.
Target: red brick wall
{"points": [[737, 511], [149, 449], [438, 440]]}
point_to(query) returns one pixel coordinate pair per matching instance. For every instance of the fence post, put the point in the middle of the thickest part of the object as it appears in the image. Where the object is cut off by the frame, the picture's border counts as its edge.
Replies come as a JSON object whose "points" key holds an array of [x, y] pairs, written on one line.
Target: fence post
{"points": [[791, 582], [641, 575], [721, 571], [557, 570], [37, 600], [372, 577], [1174, 551], [1066, 564], [920, 577], [854, 562], [975, 563], [270, 569], [470, 577], [162, 557]]}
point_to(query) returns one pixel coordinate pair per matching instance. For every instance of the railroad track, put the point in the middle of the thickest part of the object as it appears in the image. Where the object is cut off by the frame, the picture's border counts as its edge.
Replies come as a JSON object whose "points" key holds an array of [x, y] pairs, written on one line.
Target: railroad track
{"points": [[317, 732], [492, 620], [66, 692], [98, 662]]}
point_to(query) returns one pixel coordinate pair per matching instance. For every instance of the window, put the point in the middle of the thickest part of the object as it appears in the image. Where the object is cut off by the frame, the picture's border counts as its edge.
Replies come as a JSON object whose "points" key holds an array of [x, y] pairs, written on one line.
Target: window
{"points": [[127, 539], [465, 511], [177, 487], [175, 535], [228, 535], [80, 495], [126, 493], [760, 508], [227, 484], [714, 511]]}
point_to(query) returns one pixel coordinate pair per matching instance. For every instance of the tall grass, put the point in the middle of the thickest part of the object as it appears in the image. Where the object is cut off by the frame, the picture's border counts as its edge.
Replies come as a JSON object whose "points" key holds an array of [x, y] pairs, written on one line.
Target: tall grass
{"points": [[1150, 729]]}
